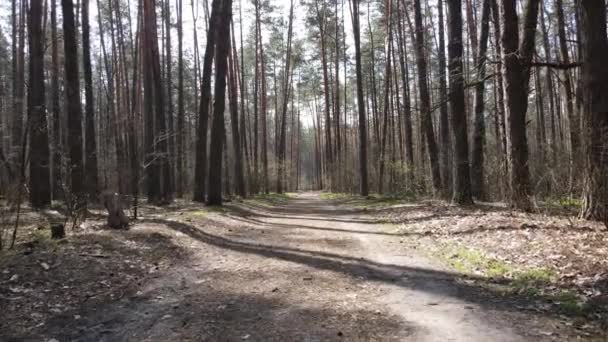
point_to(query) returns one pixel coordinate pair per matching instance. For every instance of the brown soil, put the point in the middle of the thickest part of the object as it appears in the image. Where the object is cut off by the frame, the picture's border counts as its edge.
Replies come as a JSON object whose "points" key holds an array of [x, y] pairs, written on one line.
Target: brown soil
{"points": [[305, 270]]}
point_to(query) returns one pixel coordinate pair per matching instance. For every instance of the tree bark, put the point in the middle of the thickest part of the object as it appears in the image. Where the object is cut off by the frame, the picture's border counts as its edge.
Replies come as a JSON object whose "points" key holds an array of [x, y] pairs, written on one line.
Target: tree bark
{"points": [[158, 174], [286, 94], [179, 134], [444, 122], [516, 72], [74, 111], [218, 127], [363, 181], [200, 171], [327, 93], [40, 187], [425, 100], [462, 179], [575, 160], [595, 106], [90, 142], [234, 122], [479, 131]]}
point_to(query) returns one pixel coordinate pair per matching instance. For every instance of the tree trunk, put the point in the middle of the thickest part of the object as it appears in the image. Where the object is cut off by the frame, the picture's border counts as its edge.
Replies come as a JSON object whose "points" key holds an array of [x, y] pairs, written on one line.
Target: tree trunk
{"points": [[479, 132], [326, 92], [156, 134], [462, 179], [218, 126], [516, 72], [90, 143], [55, 107], [286, 94], [595, 105], [169, 85], [179, 134], [444, 123], [425, 100], [40, 188], [19, 85], [387, 88], [575, 160], [234, 122], [363, 186], [74, 111], [200, 171]]}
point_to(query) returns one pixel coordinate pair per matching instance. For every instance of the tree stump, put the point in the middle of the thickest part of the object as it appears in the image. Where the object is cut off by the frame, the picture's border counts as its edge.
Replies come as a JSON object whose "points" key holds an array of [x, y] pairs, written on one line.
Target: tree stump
{"points": [[116, 216], [57, 231]]}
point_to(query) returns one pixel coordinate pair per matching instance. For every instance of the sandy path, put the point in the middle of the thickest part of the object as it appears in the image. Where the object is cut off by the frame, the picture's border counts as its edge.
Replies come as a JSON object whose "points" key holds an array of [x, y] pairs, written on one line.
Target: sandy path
{"points": [[308, 270]]}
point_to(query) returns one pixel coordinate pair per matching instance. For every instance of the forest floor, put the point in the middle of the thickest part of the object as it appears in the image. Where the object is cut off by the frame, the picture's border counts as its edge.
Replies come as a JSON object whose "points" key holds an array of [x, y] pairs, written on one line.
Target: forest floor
{"points": [[310, 267]]}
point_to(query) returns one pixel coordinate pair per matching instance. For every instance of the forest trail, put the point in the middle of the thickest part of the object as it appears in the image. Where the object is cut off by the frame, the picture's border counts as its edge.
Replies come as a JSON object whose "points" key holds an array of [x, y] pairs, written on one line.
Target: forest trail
{"points": [[305, 270]]}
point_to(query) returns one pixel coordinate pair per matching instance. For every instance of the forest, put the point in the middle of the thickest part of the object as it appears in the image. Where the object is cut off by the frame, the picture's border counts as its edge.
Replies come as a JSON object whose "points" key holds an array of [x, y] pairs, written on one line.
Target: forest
{"points": [[303, 170]]}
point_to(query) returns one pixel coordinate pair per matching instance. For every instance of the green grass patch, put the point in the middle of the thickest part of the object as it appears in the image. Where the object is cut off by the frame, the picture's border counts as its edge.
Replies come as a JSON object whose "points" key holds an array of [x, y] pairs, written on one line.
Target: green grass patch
{"points": [[535, 282], [522, 280], [271, 198], [200, 213], [568, 303], [372, 201], [566, 203], [338, 196]]}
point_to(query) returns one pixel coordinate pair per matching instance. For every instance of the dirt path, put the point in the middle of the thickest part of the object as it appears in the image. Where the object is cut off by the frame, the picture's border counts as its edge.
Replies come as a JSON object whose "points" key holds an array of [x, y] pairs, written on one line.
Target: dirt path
{"points": [[307, 270]]}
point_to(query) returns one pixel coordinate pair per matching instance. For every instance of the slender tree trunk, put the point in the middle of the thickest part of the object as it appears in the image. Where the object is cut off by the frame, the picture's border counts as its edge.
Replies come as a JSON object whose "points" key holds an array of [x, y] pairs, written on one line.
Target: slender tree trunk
{"points": [[363, 182], [92, 182], [19, 87], [239, 178], [169, 84], [575, 160], [156, 141], [179, 134], [286, 94], [200, 171], [444, 124], [500, 108], [328, 150], [479, 131], [74, 111], [425, 100], [516, 72], [386, 101], [462, 178], [407, 119], [55, 107], [218, 127], [39, 184], [264, 112]]}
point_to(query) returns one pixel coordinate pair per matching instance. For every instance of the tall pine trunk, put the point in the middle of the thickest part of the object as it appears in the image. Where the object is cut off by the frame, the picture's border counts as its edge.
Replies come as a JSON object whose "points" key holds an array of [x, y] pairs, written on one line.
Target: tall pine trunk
{"points": [[516, 61], [425, 99], [363, 182], [462, 178], [39, 184], [479, 130], [218, 126], [200, 170], [74, 111], [444, 124], [595, 109], [92, 182]]}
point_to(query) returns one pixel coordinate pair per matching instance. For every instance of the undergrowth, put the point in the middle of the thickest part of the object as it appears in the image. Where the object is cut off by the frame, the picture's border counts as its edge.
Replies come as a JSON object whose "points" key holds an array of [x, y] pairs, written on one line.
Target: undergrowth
{"points": [[508, 279]]}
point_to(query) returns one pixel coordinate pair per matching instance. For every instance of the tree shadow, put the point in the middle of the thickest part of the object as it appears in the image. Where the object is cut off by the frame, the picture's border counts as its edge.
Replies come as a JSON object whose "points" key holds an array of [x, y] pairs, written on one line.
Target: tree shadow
{"points": [[211, 314], [469, 288]]}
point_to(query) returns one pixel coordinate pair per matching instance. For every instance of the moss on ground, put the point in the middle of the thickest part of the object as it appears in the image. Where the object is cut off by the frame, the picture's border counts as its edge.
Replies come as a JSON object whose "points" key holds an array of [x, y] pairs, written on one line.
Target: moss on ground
{"points": [[538, 282], [372, 201], [271, 198]]}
